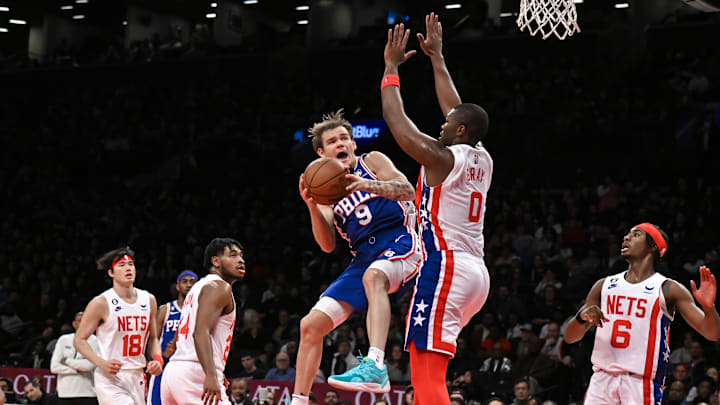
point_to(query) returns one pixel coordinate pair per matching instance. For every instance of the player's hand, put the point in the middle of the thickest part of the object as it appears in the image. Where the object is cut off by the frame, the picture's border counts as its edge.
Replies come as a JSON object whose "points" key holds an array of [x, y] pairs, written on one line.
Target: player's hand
{"points": [[154, 367], [169, 349], [594, 315], [211, 391], [304, 193], [395, 54], [357, 183], [111, 366], [705, 295], [432, 45]]}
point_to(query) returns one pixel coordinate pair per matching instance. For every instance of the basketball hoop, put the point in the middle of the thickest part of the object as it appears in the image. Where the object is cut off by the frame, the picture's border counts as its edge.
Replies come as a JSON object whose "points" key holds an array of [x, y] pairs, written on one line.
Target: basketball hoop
{"points": [[548, 17]]}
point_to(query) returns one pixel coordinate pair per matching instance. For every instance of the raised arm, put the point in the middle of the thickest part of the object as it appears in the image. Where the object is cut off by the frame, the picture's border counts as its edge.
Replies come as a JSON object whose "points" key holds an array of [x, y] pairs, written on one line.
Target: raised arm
{"points": [[213, 302], [447, 94], [321, 217], [704, 318], [590, 313], [427, 151], [391, 183], [94, 314]]}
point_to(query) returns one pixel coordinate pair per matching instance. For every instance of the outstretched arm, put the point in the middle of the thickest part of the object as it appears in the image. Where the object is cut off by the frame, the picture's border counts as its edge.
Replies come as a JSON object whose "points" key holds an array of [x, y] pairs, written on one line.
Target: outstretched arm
{"points": [[447, 94], [427, 151], [590, 313], [703, 319], [390, 183]]}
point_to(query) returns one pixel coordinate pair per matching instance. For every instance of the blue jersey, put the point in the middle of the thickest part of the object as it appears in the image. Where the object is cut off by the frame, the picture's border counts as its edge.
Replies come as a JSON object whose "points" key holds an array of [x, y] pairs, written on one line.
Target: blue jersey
{"points": [[170, 326], [361, 216]]}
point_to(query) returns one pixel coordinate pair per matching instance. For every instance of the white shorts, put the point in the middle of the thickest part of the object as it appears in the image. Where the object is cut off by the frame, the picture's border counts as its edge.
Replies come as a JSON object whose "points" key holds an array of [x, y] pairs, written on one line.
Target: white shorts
{"points": [[182, 384], [451, 288], [622, 388], [127, 387]]}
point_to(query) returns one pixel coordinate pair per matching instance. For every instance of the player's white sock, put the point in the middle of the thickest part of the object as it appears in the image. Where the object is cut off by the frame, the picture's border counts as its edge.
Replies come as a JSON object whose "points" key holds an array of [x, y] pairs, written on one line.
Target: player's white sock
{"points": [[299, 400], [377, 355]]}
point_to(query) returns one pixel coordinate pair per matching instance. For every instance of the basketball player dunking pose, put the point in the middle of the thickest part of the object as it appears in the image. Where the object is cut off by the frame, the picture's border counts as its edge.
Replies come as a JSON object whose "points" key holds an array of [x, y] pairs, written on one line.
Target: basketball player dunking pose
{"points": [[378, 224], [194, 374], [454, 180], [123, 318], [633, 311], [168, 321]]}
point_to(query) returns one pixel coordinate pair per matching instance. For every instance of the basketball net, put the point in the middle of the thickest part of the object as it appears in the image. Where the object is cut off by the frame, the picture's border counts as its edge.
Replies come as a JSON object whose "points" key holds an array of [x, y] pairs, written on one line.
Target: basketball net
{"points": [[548, 17]]}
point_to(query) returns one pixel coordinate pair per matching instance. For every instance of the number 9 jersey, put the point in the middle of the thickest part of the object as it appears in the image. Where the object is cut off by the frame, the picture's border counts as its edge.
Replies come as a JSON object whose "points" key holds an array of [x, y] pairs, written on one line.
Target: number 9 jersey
{"points": [[365, 217]]}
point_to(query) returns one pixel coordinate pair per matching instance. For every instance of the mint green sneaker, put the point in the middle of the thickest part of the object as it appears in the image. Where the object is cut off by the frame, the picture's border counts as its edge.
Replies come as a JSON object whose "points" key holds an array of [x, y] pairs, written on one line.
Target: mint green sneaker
{"points": [[365, 377]]}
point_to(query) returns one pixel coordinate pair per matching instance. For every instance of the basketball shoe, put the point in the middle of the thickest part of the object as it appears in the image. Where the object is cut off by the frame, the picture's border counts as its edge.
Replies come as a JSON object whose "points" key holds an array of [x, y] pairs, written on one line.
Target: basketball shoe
{"points": [[365, 377]]}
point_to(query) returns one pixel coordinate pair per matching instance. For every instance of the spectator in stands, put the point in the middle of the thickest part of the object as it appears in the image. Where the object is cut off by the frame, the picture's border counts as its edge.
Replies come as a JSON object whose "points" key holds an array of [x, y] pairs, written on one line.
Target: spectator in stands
{"points": [[521, 393], [282, 370], [398, 367], [343, 359], [35, 395], [239, 392], [249, 370], [331, 397]]}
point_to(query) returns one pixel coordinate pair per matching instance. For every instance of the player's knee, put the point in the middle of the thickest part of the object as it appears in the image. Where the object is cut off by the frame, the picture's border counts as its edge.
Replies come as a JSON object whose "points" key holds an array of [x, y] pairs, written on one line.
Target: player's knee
{"points": [[375, 279], [307, 328], [313, 328]]}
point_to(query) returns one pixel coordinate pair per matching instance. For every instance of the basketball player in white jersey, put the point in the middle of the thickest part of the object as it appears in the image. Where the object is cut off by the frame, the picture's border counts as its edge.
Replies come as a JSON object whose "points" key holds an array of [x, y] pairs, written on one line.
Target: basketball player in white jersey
{"points": [[123, 319], [454, 181], [194, 374], [633, 311]]}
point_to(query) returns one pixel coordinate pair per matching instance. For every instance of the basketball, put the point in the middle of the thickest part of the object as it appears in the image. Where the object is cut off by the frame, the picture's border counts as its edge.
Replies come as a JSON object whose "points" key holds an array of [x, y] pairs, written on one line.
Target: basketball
{"points": [[325, 180]]}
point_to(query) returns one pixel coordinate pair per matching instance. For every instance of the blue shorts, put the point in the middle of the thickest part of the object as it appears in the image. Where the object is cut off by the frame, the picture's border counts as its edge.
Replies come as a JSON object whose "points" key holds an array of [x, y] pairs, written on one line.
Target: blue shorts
{"points": [[153, 395], [390, 246]]}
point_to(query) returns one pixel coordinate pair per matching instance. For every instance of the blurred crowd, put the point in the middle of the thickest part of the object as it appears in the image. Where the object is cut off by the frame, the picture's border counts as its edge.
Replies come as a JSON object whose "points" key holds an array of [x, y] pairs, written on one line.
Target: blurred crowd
{"points": [[165, 156]]}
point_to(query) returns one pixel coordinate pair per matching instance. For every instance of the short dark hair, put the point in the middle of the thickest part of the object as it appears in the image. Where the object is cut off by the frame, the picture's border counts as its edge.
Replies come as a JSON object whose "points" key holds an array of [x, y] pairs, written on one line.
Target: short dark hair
{"points": [[522, 380], [653, 246], [105, 261], [475, 119], [216, 247], [33, 383]]}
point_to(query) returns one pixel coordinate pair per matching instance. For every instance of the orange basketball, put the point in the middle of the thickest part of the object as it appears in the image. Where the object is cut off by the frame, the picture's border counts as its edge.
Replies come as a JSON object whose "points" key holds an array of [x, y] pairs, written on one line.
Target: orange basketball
{"points": [[325, 180]]}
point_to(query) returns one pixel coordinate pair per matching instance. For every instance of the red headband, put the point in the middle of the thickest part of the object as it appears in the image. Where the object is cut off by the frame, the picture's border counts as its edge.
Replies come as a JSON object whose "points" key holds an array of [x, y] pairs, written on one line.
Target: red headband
{"points": [[119, 259], [656, 236]]}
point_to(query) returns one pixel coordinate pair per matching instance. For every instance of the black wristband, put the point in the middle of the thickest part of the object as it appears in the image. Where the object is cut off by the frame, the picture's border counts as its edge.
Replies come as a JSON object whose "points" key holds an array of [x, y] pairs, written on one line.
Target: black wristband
{"points": [[579, 319]]}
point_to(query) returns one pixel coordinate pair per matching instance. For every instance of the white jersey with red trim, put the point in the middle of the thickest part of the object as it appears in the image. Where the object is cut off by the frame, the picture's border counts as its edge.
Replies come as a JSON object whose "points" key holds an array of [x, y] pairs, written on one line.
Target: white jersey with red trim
{"points": [[221, 335], [636, 340], [451, 214], [124, 334]]}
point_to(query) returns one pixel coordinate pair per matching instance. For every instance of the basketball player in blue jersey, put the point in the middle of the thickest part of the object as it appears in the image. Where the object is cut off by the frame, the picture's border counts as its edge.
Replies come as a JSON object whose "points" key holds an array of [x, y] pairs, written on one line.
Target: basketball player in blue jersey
{"points": [[168, 319], [377, 221]]}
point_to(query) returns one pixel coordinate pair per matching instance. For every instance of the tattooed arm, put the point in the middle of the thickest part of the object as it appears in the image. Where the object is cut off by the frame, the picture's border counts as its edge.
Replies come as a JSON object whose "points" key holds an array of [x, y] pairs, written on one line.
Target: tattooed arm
{"points": [[390, 183]]}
